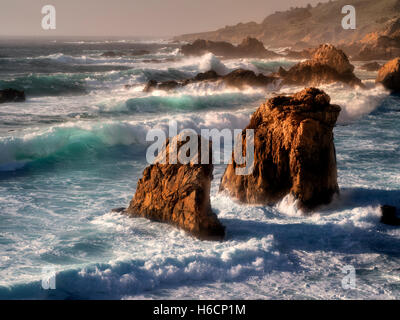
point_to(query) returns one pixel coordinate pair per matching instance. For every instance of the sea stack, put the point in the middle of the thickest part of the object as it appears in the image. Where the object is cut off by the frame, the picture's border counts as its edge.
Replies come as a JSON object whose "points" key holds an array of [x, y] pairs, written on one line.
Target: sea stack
{"points": [[178, 194], [294, 152], [389, 75], [327, 65]]}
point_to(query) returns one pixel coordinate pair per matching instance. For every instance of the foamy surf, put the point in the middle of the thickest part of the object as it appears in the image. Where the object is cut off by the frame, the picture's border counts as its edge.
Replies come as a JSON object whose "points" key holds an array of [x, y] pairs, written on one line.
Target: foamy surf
{"points": [[76, 149]]}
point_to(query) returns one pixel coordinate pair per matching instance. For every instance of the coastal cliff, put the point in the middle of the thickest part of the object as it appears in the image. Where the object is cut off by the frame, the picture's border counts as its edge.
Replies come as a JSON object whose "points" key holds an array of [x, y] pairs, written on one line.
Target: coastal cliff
{"points": [[308, 27]]}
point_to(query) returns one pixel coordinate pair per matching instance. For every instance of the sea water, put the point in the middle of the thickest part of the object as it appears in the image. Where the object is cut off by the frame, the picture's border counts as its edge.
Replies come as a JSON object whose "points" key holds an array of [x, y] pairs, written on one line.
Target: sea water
{"points": [[76, 149]]}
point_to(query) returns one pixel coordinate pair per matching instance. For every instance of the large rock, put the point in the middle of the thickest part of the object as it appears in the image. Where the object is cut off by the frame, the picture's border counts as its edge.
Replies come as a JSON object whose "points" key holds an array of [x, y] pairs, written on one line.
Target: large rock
{"points": [[389, 75], [11, 95], [294, 152], [248, 48], [178, 194], [328, 64]]}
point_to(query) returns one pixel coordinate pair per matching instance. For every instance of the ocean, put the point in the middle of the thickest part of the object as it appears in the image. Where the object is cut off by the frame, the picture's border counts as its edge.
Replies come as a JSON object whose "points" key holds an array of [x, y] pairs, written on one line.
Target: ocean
{"points": [[76, 149]]}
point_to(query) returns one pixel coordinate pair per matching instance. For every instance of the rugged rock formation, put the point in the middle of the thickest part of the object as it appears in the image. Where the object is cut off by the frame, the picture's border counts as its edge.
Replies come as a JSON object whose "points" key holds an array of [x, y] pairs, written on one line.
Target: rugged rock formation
{"points": [[294, 152], [389, 75], [301, 28], [178, 194], [389, 216], [371, 66], [379, 45], [11, 95], [239, 78], [327, 65], [249, 48]]}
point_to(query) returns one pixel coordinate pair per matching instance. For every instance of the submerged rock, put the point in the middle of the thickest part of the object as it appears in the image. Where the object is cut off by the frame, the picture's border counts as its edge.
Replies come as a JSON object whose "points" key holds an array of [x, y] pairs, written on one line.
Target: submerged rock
{"points": [[389, 75], [389, 216], [327, 65], [178, 194], [294, 152], [11, 95], [248, 48]]}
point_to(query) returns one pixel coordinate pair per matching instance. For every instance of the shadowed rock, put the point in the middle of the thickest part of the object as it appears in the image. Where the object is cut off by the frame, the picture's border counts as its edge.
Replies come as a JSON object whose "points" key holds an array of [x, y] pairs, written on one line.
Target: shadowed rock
{"points": [[294, 152], [389, 216], [178, 194], [389, 75], [11, 95]]}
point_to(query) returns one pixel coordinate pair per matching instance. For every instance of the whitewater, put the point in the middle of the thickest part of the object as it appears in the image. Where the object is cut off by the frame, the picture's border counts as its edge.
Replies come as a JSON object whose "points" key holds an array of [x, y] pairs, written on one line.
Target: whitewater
{"points": [[76, 149]]}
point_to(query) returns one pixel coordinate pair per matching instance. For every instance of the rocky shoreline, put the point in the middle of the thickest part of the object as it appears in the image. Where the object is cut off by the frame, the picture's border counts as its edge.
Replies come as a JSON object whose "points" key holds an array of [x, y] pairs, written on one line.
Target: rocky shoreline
{"points": [[294, 147]]}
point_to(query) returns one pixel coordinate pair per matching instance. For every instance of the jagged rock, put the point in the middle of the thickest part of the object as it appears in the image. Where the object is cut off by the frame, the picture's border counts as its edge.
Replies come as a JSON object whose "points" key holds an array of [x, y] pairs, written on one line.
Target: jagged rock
{"points": [[239, 78], [201, 47], [11, 95], [327, 65], [178, 194], [301, 28], [380, 45], [166, 85], [389, 75], [294, 152], [251, 47], [248, 48], [371, 66], [209, 75], [389, 216]]}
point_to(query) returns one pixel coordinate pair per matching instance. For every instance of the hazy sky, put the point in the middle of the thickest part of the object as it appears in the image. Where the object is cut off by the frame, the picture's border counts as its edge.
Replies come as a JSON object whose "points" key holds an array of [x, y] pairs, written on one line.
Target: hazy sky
{"points": [[134, 17]]}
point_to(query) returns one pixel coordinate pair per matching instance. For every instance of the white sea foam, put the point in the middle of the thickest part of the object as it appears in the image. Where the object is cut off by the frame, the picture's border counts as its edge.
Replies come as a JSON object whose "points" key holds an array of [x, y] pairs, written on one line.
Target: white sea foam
{"points": [[355, 102]]}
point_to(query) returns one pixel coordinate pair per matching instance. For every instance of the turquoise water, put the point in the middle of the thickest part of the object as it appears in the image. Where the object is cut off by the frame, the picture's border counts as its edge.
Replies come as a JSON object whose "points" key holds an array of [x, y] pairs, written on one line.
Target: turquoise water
{"points": [[76, 148]]}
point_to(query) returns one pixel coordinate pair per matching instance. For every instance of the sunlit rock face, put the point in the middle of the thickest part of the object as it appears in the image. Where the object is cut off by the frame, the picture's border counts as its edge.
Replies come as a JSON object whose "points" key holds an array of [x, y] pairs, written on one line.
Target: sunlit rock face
{"points": [[389, 75], [178, 194], [294, 152]]}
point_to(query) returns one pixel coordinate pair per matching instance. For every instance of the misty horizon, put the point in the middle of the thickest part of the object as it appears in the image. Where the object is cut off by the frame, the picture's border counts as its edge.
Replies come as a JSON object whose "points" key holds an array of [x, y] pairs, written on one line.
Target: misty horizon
{"points": [[133, 19]]}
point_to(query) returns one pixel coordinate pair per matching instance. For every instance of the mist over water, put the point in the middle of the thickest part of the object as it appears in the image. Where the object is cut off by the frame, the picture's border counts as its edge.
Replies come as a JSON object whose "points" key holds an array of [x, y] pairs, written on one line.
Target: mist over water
{"points": [[76, 149]]}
